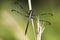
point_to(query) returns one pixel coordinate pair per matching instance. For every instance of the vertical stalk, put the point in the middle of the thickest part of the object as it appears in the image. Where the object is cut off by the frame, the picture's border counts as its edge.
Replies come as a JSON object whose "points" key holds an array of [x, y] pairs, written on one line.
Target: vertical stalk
{"points": [[29, 3], [40, 29], [33, 28]]}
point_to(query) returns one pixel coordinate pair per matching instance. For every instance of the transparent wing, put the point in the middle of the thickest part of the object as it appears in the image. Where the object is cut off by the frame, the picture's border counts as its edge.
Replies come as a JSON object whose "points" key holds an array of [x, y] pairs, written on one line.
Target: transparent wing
{"points": [[45, 21], [20, 5], [46, 14], [23, 14], [43, 14]]}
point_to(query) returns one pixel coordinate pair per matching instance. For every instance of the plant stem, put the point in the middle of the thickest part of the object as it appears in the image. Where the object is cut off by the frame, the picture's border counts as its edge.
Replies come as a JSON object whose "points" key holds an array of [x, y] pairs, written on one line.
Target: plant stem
{"points": [[40, 29]]}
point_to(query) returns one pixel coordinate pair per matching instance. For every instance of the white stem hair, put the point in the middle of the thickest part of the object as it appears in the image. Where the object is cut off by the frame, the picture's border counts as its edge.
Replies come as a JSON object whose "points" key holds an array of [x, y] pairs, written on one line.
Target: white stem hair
{"points": [[40, 29]]}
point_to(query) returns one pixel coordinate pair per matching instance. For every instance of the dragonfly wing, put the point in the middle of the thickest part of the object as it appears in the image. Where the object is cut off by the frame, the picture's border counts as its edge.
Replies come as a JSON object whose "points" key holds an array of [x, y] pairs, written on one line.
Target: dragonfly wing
{"points": [[45, 21], [42, 14], [42, 21], [46, 14], [13, 10], [20, 5]]}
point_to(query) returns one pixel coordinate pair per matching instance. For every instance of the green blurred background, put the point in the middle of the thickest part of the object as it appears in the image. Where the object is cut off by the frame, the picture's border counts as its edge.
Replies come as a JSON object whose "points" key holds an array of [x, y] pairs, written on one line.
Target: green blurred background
{"points": [[11, 22]]}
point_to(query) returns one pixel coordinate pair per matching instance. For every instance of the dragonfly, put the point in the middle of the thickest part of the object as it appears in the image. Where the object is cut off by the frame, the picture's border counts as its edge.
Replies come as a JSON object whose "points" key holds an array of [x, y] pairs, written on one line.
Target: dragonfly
{"points": [[30, 14]]}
